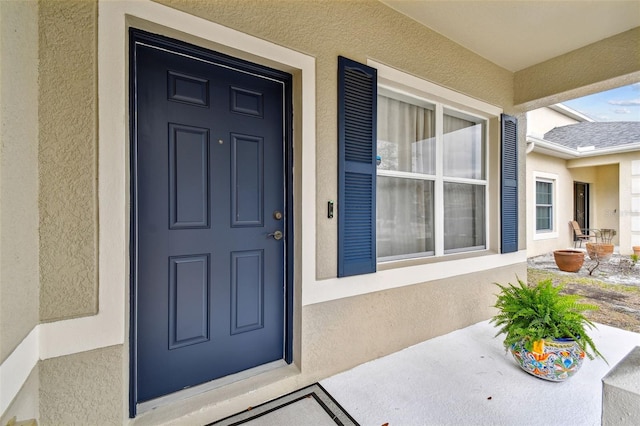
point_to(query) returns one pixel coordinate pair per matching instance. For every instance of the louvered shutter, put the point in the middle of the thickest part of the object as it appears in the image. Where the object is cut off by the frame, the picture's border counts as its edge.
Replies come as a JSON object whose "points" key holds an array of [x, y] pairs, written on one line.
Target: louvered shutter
{"points": [[509, 184], [357, 96]]}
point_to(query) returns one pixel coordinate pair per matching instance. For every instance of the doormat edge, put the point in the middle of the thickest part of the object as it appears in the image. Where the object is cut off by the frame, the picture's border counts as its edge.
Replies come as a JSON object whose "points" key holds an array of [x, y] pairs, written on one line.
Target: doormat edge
{"points": [[329, 404]]}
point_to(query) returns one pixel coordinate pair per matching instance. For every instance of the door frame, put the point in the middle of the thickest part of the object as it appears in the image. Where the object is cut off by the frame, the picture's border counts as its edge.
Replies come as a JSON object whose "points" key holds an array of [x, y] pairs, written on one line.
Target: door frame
{"points": [[587, 201], [186, 49]]}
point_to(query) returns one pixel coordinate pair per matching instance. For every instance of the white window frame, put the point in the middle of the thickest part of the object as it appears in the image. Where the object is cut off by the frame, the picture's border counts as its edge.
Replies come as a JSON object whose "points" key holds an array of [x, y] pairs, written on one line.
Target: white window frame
{"points": [[553, 180], [421, 92]]}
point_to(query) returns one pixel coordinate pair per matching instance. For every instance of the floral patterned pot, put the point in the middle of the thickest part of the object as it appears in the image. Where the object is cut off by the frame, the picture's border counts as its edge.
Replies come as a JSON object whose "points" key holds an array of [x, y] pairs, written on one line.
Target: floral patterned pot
{"points": [[554, 360], [569, 260]]}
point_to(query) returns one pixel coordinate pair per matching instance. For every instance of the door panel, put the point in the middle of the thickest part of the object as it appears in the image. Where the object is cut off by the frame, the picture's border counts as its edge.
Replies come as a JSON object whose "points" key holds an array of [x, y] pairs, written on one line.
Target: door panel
{"points": [[209, 173]]}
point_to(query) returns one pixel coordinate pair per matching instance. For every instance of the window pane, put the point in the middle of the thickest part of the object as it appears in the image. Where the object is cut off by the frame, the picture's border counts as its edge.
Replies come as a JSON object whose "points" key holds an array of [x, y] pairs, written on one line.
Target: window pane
{"points": [[463, 148], [543, 218], [543, 193], [464, 216], [404, 216], [406, 137]]}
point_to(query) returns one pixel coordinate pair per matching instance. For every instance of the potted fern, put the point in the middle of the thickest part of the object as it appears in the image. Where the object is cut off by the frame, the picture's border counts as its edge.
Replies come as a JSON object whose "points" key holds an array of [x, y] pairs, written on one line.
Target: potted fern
{"points": [[545, 331]]}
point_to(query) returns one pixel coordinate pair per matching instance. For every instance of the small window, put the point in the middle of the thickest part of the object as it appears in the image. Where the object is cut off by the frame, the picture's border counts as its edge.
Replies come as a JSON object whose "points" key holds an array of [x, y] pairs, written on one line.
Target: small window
{"points": [[431, 178], [544, 206]]}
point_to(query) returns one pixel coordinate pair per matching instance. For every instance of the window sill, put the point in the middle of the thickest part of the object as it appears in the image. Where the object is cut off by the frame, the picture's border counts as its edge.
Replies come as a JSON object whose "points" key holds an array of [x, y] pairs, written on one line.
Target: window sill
{"points": [[416, 261], [545, 236], [408, 272]]}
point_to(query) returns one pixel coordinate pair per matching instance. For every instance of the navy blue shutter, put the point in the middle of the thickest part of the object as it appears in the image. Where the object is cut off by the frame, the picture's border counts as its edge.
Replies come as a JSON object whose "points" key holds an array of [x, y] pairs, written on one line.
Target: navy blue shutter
{"points": [[509, 184], [357, 113]]}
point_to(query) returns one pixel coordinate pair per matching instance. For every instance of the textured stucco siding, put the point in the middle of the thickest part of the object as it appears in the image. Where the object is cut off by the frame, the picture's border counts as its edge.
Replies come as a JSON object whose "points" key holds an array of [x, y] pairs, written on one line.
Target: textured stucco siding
{"points": [[68, 162], [562, 210], [607, 198], [360, 30], [18, 173], [341, 334], [541, 120], [609, 63], [83, 389]]}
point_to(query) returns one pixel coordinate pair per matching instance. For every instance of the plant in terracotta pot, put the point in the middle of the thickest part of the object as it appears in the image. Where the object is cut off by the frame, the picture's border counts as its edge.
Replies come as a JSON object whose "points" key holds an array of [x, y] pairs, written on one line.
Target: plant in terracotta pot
{"points": [[545, 331]]}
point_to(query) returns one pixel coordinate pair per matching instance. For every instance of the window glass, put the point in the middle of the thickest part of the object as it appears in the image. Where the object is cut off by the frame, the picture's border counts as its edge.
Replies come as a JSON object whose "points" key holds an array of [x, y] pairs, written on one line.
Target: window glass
{"points": [[544, 206], [464, 216], [463, 147], [406, 139], [428, 203], [404, 216]]}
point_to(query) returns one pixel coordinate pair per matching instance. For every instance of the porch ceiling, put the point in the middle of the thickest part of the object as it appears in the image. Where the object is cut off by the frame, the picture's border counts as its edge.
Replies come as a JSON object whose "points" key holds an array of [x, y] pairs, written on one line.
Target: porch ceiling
{"points": [[516, 34]]}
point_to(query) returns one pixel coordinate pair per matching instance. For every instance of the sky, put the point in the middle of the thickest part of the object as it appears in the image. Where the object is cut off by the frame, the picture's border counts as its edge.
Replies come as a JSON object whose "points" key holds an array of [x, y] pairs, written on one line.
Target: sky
{"points": [[620, 104]]}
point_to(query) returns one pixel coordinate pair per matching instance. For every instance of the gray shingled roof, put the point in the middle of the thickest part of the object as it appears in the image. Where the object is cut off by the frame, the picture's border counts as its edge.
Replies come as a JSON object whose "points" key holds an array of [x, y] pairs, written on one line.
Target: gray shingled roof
{"points": [[597, 134]]}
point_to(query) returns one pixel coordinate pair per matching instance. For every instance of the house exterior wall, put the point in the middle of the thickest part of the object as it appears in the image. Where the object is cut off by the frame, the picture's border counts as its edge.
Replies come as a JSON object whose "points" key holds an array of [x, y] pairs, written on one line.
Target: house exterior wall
{"points": [[630, 210], [19, 291], [607, 198], [555, 169], [67, 159], [618, 205], [26, 404], [541, 120], [397, 316], [84, 388], [18, 173], [610, 178], [600, 66]]}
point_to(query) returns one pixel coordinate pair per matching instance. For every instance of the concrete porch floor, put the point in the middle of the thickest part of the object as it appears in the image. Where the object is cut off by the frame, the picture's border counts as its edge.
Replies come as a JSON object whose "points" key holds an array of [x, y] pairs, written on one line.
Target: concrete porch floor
{"points": [[466, 378]]}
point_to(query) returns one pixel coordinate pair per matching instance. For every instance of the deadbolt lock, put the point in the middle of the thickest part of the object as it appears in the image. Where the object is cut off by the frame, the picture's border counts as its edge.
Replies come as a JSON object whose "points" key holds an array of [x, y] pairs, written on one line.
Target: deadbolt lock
{"points": [[277, 215]]}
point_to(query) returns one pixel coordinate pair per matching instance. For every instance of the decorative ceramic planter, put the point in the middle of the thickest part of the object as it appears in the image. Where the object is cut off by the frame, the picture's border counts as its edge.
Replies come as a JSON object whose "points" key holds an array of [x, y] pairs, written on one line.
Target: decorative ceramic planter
{"points": [[554, 360], [599, 251], [636, 250], [569, 260]]}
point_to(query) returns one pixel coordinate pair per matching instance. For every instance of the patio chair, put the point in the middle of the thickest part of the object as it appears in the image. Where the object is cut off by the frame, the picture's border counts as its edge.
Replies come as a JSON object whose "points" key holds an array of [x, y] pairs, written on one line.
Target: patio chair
{"points": [[582, 234]]}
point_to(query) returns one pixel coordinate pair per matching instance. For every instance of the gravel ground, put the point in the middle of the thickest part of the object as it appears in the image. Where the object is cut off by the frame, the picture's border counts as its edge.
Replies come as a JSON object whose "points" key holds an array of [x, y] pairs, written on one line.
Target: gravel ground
{"points": [[617, 270], [614, 286]]}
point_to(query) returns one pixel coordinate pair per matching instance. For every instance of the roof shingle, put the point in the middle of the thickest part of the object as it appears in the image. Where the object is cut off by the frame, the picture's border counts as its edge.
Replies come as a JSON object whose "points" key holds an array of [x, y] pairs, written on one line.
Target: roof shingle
{"points": [[597, 134]]}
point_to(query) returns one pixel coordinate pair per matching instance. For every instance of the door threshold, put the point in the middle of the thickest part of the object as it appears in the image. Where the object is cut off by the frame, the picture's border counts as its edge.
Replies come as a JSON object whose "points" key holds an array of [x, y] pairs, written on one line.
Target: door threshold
{"points": [[151, 404]]}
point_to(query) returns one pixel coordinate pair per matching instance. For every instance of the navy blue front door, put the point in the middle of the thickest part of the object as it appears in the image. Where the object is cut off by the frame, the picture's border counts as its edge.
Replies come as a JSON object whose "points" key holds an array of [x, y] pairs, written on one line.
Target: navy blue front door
{"points": [[209, 282]]}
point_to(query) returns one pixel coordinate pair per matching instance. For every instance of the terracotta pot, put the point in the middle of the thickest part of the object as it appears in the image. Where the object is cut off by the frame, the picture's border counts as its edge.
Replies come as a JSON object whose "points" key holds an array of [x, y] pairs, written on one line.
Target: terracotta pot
{"points": [[555, 360], [636, 250], [600, 251], [569, 260]]}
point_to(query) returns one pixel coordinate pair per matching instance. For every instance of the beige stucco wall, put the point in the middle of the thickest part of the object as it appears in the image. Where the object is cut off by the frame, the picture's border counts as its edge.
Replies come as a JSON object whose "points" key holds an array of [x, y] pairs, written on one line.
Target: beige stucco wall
{"points": [[607, 198], [83, 389], [18, 173], [541, 120], [538, 243], [630, 206], [610, 181], [67, 159], [615, 200], [609, 63], [341, 334]]}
